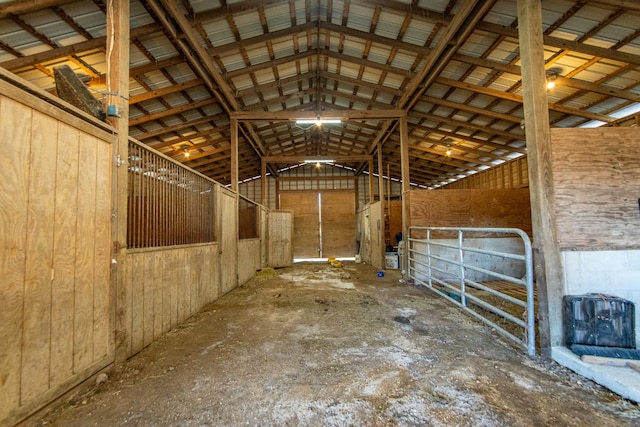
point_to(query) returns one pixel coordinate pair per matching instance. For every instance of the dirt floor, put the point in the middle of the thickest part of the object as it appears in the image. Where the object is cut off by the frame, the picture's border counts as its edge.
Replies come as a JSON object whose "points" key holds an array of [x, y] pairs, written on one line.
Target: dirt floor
{"points": [[315, 345]]}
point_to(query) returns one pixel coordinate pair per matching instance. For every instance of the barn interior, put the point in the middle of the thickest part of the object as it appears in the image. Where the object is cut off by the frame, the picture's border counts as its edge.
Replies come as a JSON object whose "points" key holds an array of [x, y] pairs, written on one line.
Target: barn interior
{"points": [[158, 154]]}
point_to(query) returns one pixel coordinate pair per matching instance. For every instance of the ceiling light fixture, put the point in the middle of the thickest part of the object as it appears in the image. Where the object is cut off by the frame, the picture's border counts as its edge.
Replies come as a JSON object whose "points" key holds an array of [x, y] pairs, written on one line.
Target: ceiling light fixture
{"points": [[185, 149], [319, 161], [551, 80], [317, 122]]}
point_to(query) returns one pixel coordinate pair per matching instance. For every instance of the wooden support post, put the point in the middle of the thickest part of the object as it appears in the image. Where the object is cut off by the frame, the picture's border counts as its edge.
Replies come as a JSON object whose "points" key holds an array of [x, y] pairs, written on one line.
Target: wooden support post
{"points": [[547, 259], [371, 198], [118, 94], [263, 182], [383, 244], [234, 154], [406, 185]]}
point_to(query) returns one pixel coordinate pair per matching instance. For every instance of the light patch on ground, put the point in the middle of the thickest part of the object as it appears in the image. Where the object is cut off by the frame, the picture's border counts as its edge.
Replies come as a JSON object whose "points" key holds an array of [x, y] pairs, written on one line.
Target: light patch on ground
{"points": [[406, 312], [524, 382], [329, 277]]}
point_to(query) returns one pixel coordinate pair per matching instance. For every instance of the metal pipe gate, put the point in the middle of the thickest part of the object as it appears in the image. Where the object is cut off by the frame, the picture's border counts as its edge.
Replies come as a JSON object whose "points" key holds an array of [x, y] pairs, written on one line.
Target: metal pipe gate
{"points": [[455, 267]]}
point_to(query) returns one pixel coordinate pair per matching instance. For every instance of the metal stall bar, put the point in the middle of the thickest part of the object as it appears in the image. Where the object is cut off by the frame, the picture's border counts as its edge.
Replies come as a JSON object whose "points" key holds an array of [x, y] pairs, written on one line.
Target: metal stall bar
{"points": [[428, 258]]}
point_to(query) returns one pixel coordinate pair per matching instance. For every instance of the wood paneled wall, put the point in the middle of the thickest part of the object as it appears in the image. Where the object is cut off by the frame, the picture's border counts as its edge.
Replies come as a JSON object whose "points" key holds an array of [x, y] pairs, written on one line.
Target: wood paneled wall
{"points": [[57, 301], [513, 174], [249, 253], [596, 176], [471, 208], [166, 286], [55, 218]]}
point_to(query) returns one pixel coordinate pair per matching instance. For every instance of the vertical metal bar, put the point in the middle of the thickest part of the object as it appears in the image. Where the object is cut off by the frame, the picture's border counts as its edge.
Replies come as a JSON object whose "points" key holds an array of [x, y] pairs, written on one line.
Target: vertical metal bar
{"points": [[463, 296], [531, 329]]}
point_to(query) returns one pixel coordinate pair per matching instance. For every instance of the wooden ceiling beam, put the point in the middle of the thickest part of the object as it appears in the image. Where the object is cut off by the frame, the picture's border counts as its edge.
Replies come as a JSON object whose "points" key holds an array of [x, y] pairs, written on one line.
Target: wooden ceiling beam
{"points": [[517, 98], [158, 93], [312, 115], [73, 49], [559, 43], [177, 110], [18, 7], [309, 158]]}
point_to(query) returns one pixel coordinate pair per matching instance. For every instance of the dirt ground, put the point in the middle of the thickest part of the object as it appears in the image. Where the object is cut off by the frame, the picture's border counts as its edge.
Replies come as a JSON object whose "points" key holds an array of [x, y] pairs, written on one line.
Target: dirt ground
{"points": [[314, 345]]}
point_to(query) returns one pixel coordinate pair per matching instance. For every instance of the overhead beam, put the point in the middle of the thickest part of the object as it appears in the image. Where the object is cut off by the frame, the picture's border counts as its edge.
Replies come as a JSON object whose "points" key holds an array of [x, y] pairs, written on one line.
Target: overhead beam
{"points": [[517, 98], [312, 115], [302, 159]]}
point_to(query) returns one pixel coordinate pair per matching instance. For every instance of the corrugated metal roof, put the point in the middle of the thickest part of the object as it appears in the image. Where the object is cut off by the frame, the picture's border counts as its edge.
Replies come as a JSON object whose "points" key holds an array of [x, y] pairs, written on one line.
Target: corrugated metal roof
{"points": [[323, 55]]}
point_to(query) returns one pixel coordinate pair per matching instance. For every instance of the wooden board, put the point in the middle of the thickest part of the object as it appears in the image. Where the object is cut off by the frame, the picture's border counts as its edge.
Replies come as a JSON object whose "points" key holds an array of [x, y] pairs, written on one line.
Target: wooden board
{"points": [[280, 239], [471, 208], [55, 318], [596, 174], [306, 222], [338, 223], [15, 130]]}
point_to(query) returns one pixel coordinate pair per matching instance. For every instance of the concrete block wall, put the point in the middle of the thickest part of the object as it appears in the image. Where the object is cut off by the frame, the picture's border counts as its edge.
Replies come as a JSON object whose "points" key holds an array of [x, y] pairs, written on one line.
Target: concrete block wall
{"points": [[613, 272]]}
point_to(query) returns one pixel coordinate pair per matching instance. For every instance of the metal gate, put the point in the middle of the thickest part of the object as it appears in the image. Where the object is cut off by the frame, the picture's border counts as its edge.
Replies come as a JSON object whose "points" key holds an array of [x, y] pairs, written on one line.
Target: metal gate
{"points": [[480, 270]]}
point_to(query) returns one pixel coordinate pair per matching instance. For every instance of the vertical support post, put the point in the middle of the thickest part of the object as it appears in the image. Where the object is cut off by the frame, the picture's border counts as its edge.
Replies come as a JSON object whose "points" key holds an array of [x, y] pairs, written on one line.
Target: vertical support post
{"points": [[263, 182], [118, 95], [371, 198], [547, 259], [383, 220], [233, 128], [406, 181]]}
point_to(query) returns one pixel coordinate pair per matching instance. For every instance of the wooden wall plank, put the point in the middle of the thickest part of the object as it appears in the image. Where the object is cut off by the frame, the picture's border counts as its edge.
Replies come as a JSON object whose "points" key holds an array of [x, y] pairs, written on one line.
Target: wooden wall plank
{"points": [[39, 257], [64, 261], [156, 262], [148, 298], [137, 302], [85, 255], [174, 277], [102, 309], [166, 293], [15, 133]]}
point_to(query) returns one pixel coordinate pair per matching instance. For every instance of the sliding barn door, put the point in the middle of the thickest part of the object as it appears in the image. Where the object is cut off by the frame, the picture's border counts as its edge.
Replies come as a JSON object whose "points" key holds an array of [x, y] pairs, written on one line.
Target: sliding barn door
{"points": [[324, 223], [306, 222], [338, 224]]}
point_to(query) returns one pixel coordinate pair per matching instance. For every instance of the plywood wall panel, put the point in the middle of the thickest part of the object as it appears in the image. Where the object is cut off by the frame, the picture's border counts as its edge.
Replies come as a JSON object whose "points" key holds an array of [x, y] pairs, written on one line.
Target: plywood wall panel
{"points": [[14, 185], [168, 285], [596, 174], [85, 256], [56, 217], [102, 335], [63, 283], [471, 208], [39, 255]]}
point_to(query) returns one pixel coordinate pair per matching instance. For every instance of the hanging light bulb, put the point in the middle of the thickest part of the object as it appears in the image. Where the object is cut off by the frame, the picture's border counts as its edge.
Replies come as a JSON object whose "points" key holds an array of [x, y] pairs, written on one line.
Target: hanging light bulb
{"points": [[551, 80]]}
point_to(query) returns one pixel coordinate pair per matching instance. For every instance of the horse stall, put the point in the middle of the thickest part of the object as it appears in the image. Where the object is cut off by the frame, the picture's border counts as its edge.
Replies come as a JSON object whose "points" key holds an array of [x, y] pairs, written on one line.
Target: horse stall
{"points": [[63, 317]]}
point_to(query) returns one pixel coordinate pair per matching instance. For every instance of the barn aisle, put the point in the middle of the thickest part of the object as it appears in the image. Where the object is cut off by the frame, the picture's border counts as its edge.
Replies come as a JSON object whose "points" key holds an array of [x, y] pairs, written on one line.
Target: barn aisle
{"points": [[316, 345]]}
